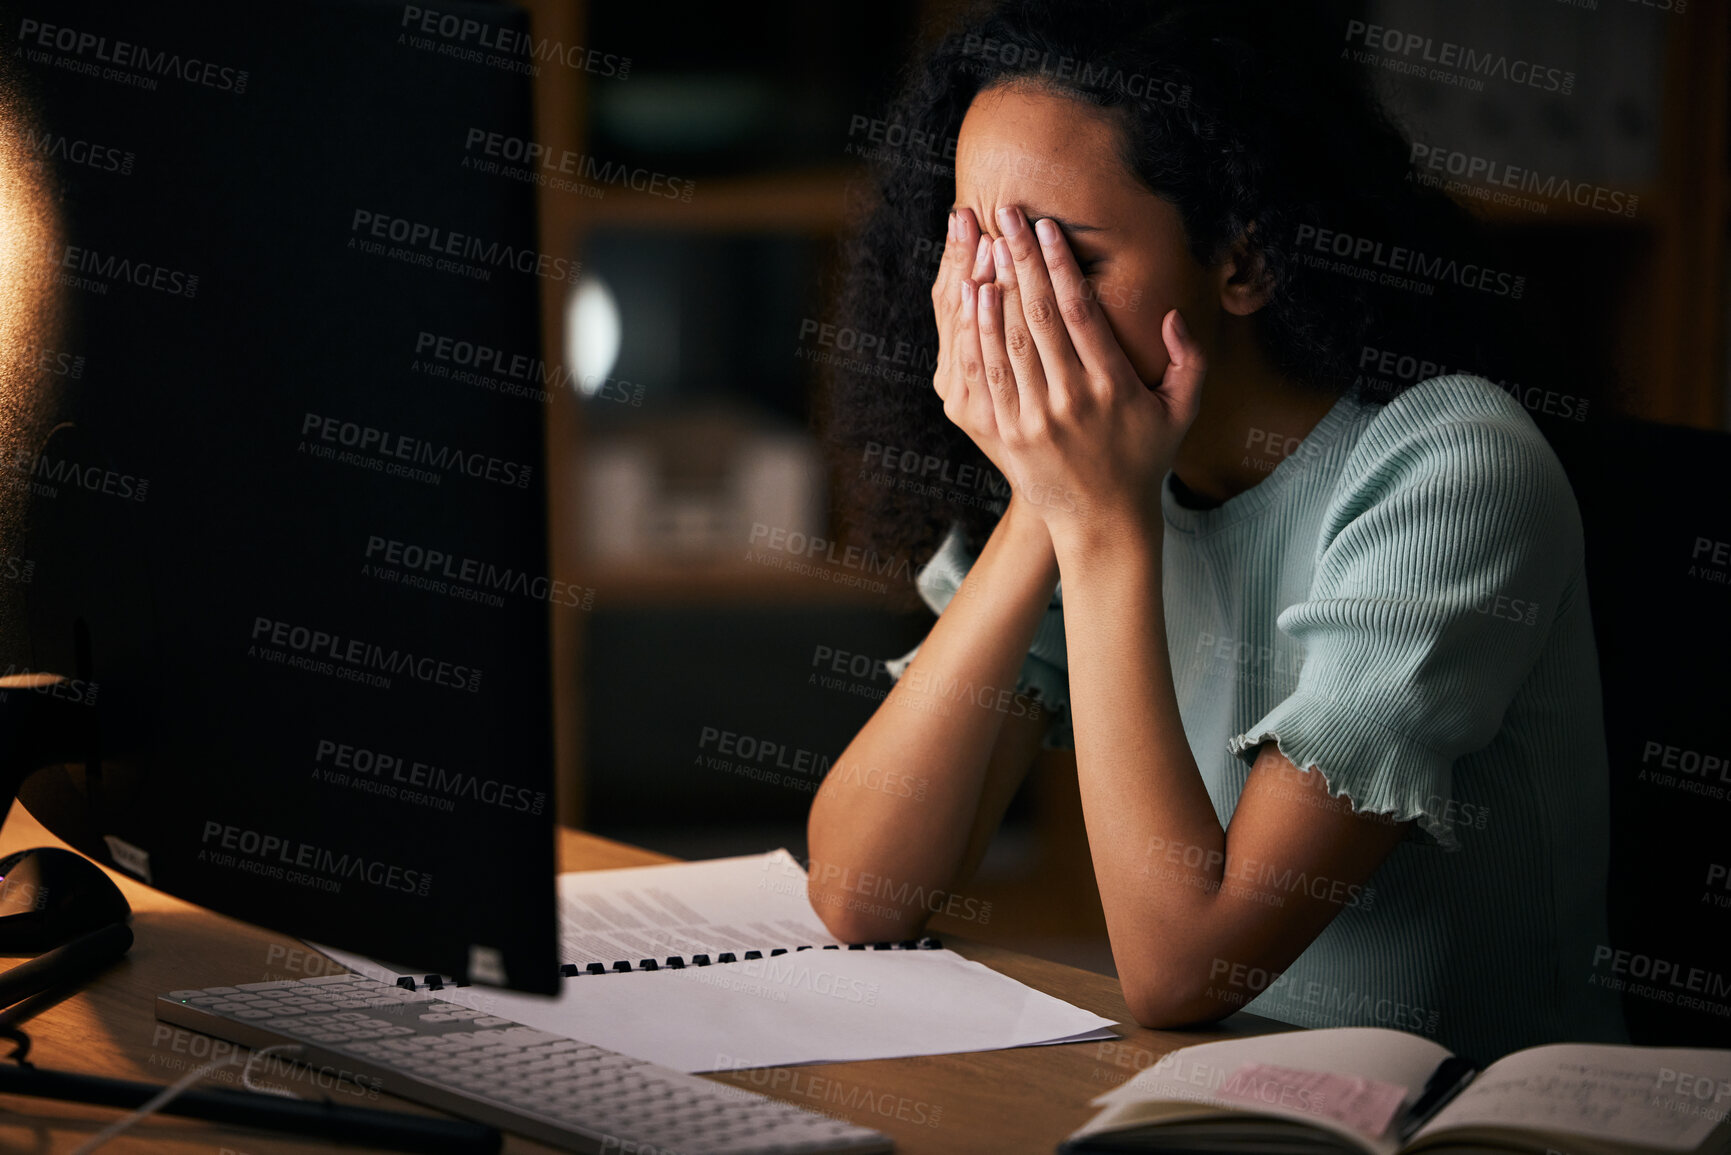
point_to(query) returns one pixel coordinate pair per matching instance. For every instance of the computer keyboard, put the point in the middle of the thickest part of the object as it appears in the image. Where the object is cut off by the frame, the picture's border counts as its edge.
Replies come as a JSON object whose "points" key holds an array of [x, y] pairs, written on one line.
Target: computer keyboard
{"points": [[560, 1091]]}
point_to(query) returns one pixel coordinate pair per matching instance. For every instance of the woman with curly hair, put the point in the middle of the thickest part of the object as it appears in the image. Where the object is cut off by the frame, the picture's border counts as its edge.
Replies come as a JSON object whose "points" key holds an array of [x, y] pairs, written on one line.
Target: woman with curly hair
{"points": [[1320, 642]]}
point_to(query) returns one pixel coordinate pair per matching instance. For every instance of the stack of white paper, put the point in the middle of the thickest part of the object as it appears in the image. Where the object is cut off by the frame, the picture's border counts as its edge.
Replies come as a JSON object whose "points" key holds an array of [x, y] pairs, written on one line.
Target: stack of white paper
{"points": [[804, 1006]]}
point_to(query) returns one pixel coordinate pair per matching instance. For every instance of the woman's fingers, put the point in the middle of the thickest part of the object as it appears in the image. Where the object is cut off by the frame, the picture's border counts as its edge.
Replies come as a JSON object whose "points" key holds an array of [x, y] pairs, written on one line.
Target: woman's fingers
{"points": [[1038, 300], [1181, 386], [982, 267], [1000, 375], [957, 259], [970, 405], [962, 256], [951, 313], [1084, 321], [1030, 375], [946, 300]]}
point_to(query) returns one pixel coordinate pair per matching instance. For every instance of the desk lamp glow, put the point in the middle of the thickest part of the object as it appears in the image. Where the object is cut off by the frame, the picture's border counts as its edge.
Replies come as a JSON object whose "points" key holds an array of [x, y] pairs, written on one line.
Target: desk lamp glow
{"points": [[50, 900]]}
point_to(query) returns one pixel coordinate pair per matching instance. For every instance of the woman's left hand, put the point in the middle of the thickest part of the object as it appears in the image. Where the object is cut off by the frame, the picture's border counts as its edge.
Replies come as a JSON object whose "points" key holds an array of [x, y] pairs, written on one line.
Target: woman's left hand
{"points": [[1087, 441]]}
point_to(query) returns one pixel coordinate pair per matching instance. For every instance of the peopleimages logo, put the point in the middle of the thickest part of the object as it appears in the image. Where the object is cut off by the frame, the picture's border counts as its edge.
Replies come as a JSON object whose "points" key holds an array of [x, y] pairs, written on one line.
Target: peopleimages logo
{"points": [[360, 438], [1361, 257], [57, 362], [85, 153], [401, 777], [85, 268], [543, 162], [1472, 169], [1663, 980], [74, 690], [513, 374], [121, 54], [1083, 73], [465, 30], [444, 566], [811, 546], [46, 474], [357, 654], [1444, 60], [1396, 367], [433, 241], [275, 850]]}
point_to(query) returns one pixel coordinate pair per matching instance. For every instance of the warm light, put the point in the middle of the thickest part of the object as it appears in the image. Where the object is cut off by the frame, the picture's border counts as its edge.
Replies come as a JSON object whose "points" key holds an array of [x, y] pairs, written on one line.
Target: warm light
{"points": [[592, 332], [36, 681], [27, 233]]}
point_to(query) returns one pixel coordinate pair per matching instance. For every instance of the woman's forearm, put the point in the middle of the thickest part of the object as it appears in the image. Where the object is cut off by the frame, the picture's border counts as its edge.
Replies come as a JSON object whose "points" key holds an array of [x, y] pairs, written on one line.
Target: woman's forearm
{"points": [[1140, 786], [1182, 895], [891, 824]]}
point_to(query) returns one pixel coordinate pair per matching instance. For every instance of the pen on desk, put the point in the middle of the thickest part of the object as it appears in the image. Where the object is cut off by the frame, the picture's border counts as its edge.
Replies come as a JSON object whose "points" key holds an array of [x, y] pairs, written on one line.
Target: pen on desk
{"points": [[1448, 1080]]}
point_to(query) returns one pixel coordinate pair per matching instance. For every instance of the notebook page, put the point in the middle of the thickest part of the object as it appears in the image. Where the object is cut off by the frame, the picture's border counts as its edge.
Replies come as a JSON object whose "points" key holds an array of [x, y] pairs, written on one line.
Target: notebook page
{"points": [[1667, 1098], [1195, 1074], [754, 902]]}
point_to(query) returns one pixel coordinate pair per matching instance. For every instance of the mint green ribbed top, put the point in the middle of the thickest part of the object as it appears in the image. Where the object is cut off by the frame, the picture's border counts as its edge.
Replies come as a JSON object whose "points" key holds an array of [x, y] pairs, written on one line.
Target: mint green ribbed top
{"points": [[1401, 605]]}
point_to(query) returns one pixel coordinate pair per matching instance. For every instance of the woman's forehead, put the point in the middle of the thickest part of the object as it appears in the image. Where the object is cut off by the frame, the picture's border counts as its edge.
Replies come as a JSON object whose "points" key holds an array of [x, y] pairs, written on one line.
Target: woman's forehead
{"points": [[1052, 155]]}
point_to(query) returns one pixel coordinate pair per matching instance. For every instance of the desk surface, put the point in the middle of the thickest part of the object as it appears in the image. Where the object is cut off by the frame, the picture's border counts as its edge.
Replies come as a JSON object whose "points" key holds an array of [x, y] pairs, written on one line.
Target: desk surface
{"points": [[991, 1102]]}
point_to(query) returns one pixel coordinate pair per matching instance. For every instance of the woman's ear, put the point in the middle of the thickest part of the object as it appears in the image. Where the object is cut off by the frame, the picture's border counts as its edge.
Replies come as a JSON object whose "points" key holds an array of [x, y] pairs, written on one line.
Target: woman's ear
{"points": [[1245, 284]]}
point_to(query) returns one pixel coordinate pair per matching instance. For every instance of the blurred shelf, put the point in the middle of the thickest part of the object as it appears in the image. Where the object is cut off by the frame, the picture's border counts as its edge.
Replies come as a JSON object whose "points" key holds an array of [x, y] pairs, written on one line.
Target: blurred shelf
{"points": [[731, 582], [810, 200]]}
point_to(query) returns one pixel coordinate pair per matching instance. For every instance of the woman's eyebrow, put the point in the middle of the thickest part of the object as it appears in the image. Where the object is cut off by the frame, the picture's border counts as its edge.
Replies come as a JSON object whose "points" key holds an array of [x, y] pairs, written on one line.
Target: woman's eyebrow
{"points": [[1067, 225]]}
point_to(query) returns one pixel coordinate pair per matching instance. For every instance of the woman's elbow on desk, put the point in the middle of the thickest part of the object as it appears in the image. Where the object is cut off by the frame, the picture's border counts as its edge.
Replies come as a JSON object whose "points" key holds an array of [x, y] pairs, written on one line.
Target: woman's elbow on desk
{"points": [[851, 918], [1167, 987], [1172, 1004]]}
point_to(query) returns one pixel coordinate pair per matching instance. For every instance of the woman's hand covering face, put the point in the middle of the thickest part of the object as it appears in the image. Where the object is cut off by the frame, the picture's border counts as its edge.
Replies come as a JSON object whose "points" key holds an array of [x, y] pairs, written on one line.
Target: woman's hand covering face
{"points": [[958, 379], [1029, 368]]}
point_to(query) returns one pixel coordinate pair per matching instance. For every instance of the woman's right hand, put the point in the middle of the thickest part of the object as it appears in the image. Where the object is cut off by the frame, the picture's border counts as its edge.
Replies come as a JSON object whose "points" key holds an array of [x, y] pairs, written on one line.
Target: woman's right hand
{"points": [[960, 377]]}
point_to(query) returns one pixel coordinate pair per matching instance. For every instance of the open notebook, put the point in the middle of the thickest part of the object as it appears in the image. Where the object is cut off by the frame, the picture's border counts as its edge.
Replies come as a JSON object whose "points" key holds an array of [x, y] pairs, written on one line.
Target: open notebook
{"points": [[1346, 1090], [745, 974]]}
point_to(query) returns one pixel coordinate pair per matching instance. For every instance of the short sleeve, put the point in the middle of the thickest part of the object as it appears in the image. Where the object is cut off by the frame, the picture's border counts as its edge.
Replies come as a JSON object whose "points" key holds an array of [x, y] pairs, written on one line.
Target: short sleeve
{"points": [[1450, 547], [1044, 677]]}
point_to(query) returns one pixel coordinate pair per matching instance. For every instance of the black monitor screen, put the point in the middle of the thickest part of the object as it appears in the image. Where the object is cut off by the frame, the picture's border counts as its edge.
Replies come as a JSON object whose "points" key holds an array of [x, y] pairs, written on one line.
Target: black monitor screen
{"points": [[296, 566]]}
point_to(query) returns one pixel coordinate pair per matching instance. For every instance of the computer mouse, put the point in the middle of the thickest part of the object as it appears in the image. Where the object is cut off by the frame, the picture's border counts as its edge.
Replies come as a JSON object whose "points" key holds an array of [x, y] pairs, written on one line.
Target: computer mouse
{"points": [[49, 896]]}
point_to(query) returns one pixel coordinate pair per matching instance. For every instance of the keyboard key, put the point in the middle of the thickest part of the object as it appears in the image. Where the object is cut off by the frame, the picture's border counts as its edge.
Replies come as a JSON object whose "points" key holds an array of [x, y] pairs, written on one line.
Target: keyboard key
{"points": [[457, 1058]]}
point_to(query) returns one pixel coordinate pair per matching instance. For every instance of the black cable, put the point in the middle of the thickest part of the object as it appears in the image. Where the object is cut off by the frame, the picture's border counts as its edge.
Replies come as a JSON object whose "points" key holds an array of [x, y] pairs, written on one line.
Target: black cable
{"points": [[20, 1045], [69, 962], [364, 1126]]}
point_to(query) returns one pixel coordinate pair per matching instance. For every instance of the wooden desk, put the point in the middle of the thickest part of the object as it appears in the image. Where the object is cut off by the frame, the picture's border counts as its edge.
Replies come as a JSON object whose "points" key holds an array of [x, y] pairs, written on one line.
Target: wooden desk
{"points": [[990, 1102]]}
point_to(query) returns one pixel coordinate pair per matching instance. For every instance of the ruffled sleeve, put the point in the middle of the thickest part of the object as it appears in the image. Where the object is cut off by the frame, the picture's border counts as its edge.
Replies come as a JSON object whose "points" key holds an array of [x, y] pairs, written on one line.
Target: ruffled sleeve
{"points": [[1449, 549]]}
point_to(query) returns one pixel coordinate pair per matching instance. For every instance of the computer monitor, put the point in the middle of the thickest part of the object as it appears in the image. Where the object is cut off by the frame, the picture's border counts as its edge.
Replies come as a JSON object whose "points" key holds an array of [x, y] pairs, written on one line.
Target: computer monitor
{"points": [[287, 556]]}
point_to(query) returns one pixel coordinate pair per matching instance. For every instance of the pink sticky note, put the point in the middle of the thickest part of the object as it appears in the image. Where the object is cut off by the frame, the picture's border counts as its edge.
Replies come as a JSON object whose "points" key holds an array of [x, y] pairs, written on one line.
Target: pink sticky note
{"points": [[1365, 1105]]}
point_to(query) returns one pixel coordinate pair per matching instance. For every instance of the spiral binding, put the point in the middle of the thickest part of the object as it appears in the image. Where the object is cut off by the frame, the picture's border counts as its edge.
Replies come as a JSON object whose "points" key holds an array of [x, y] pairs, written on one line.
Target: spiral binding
{"points": [[674, 962]]}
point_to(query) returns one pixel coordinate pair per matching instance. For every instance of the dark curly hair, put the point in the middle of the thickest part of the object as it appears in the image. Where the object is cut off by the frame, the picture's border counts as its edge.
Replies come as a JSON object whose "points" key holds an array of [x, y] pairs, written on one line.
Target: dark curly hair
{"points": [[1245, 115]]}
